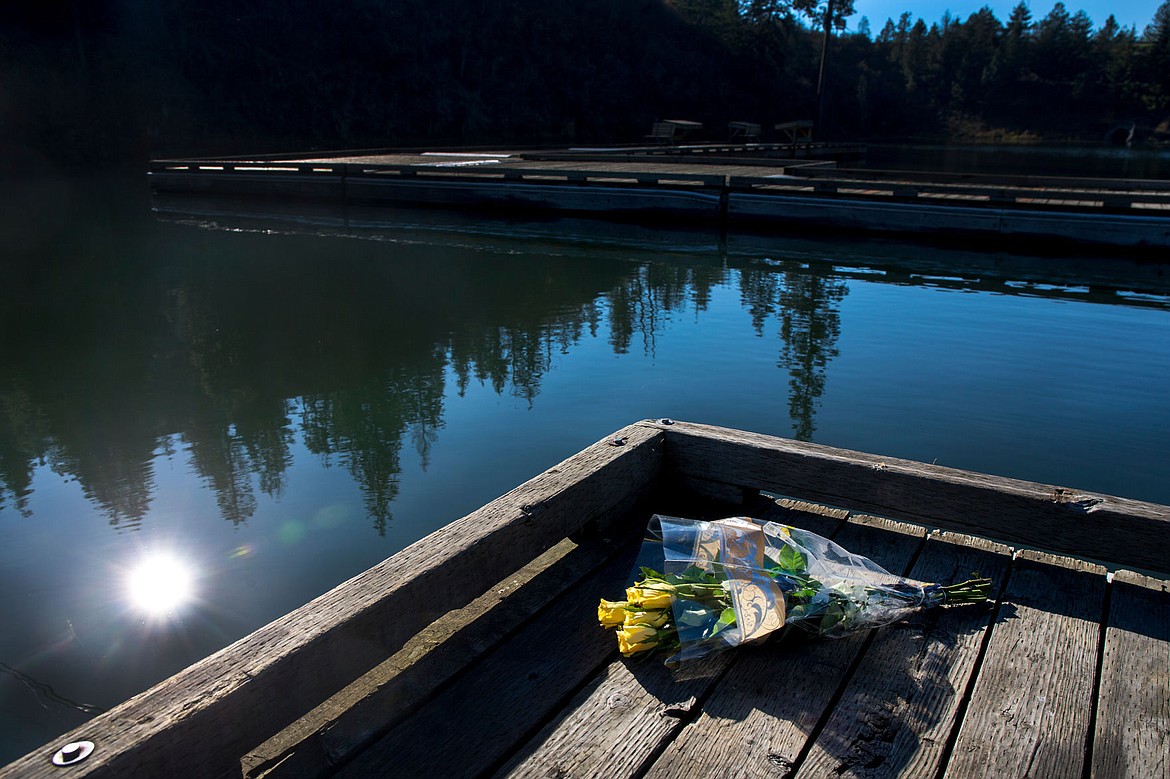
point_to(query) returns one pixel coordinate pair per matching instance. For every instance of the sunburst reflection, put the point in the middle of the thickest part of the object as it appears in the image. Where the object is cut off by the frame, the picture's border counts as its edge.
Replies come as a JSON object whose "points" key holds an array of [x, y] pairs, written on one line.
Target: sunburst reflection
{"points": [[160, 584]]}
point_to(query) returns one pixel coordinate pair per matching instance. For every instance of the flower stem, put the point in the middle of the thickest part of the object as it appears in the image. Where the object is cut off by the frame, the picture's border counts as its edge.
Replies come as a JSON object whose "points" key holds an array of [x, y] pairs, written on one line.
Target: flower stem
{"points": [[970, 591]]}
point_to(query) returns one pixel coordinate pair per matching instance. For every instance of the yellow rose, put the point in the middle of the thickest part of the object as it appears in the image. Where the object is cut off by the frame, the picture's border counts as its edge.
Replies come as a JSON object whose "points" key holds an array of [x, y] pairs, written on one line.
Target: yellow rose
{"points": [[657, 597], [654, 619], [611, 613], [632, 649], [637, 638]]}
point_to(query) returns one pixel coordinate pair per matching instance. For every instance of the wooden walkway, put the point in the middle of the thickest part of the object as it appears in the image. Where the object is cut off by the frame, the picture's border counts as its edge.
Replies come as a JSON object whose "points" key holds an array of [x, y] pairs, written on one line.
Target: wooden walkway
{"points": [[476, 652], [1066, 671], [742, 173], [720, 186]]}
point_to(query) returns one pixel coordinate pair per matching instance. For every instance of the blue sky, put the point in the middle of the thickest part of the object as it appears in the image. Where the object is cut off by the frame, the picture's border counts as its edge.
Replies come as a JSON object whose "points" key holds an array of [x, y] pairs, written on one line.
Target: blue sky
{"points": [[1128, 12]]}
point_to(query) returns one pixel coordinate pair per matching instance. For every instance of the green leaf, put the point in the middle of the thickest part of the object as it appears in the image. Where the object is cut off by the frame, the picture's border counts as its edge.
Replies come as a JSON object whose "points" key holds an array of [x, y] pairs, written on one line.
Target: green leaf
{"points": [[692, 575], [726, 620], [792, 561], [833, 615]]}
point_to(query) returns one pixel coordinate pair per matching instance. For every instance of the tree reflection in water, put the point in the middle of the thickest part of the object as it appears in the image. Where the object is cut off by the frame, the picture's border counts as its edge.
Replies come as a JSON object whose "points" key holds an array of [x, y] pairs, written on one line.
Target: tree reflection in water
{"points": [[235, 349], [807, 303], [810, 314]]}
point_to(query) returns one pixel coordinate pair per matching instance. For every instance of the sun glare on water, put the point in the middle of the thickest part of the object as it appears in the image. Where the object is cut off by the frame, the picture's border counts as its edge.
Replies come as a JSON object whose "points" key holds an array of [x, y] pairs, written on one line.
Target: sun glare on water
{"points": [[160, 584]]}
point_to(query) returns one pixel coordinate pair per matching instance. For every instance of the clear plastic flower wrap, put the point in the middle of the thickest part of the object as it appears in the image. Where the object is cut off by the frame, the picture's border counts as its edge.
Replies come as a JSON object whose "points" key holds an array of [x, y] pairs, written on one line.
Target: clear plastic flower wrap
{"points": [[722, 583]]}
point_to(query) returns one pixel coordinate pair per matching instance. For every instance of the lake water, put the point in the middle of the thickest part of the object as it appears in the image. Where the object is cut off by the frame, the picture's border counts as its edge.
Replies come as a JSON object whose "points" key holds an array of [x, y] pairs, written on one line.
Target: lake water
{"points": [[207, 419]]}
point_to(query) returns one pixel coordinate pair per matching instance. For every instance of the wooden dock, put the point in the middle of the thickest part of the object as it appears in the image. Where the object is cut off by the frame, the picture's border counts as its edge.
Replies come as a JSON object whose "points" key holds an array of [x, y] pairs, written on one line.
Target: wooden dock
{"points": [[476, 652], [734, 186]]}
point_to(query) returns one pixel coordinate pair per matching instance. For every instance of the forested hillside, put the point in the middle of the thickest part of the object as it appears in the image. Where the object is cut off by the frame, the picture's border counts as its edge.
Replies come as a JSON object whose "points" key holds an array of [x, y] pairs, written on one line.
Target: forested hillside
{"points": [[108, 80]]}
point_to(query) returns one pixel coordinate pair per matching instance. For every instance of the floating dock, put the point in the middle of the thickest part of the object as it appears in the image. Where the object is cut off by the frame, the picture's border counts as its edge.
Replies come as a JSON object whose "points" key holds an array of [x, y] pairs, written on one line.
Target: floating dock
{"points": [[748, 187], [476, 651]]}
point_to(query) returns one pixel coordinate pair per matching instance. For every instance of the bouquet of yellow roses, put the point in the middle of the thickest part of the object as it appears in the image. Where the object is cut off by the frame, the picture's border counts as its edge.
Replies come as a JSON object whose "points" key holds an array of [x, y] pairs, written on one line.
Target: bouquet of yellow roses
{"points": [[731, 581]]}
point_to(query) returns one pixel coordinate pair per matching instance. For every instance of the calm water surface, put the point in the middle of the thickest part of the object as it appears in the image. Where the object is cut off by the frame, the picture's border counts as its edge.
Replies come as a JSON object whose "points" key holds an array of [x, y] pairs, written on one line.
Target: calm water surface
{"points": [[208, 419]]}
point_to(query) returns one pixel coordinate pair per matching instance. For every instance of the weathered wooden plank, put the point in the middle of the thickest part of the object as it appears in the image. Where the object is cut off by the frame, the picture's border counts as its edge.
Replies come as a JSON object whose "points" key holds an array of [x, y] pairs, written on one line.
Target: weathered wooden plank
{"points": [[228, 703], [1132, 737], [617, 723], [1028, 714], [898, 711], [475, 723], [1010, 510], [351, 718], [759, 719], [730, 494], [823, 520], [794, 504]]}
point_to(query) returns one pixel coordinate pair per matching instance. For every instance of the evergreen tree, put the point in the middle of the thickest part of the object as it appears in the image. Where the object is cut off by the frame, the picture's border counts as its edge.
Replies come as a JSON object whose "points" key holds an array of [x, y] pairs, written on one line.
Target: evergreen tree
{"points": [[1006, 79], [970, 49], [188, 77], [1156, 58]]}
